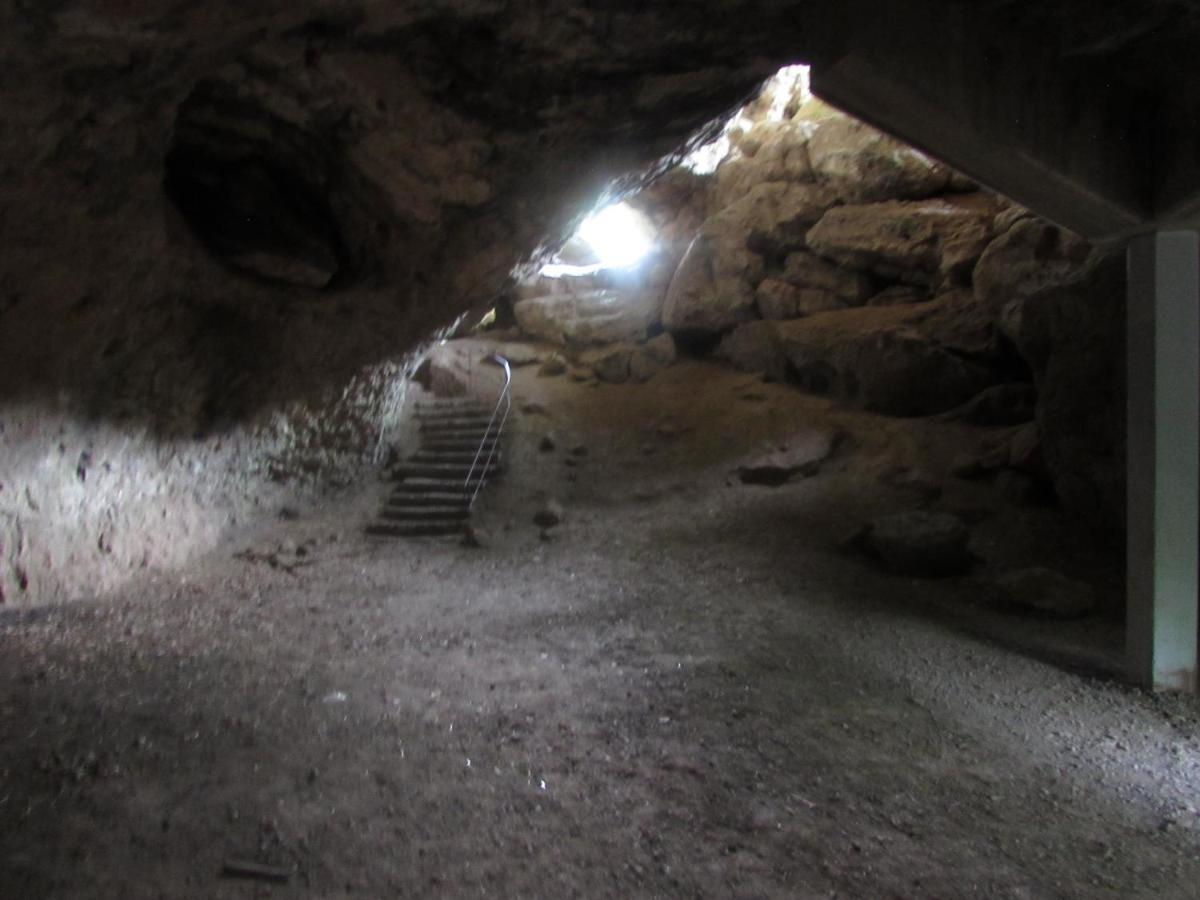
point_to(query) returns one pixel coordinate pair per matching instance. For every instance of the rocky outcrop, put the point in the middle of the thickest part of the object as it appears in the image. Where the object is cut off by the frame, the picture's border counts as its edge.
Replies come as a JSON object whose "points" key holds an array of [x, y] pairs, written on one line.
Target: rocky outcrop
{"points": [[713, 288], [756, 347], [589, 317], [864, 165], [925, 243], [904, 360]]}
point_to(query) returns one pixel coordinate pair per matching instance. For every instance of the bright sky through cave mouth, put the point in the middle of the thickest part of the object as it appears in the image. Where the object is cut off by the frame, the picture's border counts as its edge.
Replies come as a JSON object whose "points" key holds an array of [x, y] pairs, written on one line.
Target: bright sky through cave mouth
{"points": [[619, 236]]}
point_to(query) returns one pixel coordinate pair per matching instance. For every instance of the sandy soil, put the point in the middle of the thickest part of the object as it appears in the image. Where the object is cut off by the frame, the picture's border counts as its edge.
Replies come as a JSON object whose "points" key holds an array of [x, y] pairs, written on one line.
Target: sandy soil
{"points": [[688, 689]]}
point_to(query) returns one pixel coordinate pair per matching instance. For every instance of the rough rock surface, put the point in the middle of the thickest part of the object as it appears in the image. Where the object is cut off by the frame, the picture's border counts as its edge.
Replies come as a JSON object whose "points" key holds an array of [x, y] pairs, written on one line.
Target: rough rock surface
{"points": [[864, 165], [648, 359], [756, 347], [713, 288], [801, 455], [1063, 307], [587, 317], [921, 242], [905, 360], [920, 543]]}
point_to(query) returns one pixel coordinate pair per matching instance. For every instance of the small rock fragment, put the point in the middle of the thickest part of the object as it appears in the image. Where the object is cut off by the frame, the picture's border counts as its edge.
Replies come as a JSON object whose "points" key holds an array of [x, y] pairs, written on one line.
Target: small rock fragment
{"points": [[553, 365], [802, 455], [1046, 591], [474, 536], [919, 543], [549, 515]]}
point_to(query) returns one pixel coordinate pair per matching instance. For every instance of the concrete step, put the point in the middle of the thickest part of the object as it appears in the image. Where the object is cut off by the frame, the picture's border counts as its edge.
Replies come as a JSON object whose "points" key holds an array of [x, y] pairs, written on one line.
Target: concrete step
{"points": [[437, 485], [465, 412], [444, 470], [402, 498], [457, 446], [478, 424], [424, 513], [384, 528], [465, 457]]}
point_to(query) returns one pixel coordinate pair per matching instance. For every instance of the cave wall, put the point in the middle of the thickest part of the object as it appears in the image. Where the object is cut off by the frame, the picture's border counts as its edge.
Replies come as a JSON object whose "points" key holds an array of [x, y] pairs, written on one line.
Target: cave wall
{"points": [[228, 225], [823, 253]]}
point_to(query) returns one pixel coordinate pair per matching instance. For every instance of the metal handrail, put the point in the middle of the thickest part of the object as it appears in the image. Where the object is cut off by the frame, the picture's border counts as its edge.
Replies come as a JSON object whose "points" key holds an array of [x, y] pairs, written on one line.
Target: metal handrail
{"points": [[505, 400]]}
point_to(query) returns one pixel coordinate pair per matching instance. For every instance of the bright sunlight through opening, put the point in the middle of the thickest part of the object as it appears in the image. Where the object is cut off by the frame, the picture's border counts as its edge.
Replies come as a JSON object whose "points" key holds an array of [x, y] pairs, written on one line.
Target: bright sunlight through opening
{"points": [[619, 235]]}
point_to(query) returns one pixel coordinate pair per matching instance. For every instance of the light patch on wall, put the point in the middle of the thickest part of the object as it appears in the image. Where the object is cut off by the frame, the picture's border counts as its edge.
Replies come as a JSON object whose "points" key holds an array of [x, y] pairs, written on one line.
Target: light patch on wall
{"points": [[789, 86]]}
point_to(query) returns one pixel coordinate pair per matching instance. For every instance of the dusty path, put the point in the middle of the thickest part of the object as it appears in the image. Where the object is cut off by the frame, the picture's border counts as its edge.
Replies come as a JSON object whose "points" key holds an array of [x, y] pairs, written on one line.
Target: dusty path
{"points": [[687, 691]]}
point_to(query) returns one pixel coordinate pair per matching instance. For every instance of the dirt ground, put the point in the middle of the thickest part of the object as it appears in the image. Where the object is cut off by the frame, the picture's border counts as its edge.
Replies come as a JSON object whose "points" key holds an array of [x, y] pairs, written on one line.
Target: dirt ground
{"points": [[687, 689]]}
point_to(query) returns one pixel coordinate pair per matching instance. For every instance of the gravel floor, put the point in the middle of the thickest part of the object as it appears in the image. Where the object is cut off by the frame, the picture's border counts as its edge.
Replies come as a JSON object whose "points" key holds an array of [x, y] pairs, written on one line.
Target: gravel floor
{"points": [[685, 690]]}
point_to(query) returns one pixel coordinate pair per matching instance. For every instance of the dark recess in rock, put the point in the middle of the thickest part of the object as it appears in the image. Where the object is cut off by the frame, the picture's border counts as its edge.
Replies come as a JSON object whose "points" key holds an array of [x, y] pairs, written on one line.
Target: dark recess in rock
{"points": [[253, 189]]}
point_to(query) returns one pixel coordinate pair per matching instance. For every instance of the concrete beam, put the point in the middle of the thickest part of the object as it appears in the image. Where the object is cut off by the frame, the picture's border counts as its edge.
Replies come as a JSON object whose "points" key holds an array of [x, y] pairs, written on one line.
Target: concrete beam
{"points": [[1163, 559]]}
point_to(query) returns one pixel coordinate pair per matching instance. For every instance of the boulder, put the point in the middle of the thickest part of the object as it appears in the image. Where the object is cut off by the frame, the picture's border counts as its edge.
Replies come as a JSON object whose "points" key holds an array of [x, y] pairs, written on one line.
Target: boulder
{"points": [[1031, 256], [779, 300], [808, 271], [589, 317], [650, 358], [1047, 591], [769, 151], [1063, 307], [1002, 404], [902, 360], [713, 288], [924, 243], [919, 543], [864, 165], [554, 364], [773, 218], [755, 347], [801, 455], [899, 295], [609, 364]]}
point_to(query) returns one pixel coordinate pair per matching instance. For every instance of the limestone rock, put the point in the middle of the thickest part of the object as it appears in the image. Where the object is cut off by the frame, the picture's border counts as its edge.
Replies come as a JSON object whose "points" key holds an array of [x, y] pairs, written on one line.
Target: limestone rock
{"points": [[650, 358], [1046, 591], [904, 360], [713, 288], [919, 543], [807, 270], [588, 317], [755, 347], [1002, 404], [802, 455], [1063, 307], [774, 217], [769, 151], [915, 242], [554, 364], [609, 364], [779, 300], [899, 295], [519, 354], [865, 165], [1030, 257]]}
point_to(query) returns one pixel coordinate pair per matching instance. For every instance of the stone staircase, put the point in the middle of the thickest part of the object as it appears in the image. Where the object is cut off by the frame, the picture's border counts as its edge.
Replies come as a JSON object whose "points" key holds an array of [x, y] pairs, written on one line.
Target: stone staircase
{"points": [[432, 496]]}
